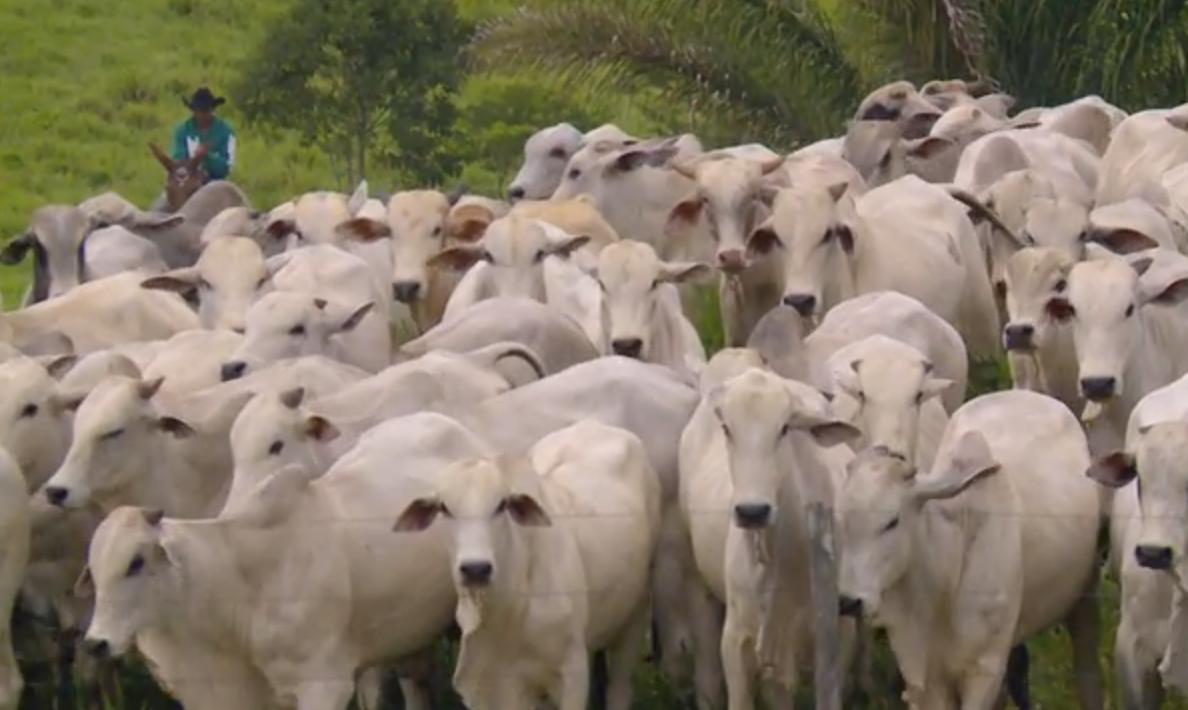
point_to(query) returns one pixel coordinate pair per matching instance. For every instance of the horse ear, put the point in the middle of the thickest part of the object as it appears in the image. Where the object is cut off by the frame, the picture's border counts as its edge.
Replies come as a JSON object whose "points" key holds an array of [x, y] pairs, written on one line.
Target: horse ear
{"points": [[165, 161]]}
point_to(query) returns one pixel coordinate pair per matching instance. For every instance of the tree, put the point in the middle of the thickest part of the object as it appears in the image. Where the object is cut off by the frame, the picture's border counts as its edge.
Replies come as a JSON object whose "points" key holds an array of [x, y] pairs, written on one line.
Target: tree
{"points": [[361, 79]]}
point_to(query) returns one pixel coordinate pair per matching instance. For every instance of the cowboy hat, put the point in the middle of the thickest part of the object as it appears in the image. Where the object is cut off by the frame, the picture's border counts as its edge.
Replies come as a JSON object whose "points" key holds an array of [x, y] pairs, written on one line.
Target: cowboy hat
{"points": [[203, 100]]}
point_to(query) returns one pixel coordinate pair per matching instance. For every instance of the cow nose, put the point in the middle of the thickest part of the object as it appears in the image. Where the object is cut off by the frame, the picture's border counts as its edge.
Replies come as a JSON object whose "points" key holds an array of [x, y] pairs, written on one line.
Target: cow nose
{"points": [[233, 370], [98, 648], [804, 303], [628, 347], [1098, 388], [56, 496], [406, 291], [516, 193], [476, 574], [1153, 556], [238, 329], [731, 260], [1018, 336], [752, 515], [849, 606]]}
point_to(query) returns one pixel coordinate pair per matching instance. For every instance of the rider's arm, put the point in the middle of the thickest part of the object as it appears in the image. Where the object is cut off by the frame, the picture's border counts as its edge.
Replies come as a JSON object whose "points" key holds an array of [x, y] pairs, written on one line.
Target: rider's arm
{"points": [[222, 155]]}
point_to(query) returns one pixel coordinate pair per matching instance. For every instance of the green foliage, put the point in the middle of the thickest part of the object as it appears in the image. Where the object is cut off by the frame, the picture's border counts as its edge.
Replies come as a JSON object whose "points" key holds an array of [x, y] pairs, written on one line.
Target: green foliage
{"points": [[360, 79]]}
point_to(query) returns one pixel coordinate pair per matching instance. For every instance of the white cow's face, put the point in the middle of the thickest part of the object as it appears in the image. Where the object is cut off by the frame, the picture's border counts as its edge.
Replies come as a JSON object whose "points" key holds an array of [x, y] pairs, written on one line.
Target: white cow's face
{"points": [[729, 196], [631, 277], [56, 235], [884, 383], [482, 507], [229, 276], [881, 515], [1058, 224], [804, 233], [546, 154], [126, 566], [760, 413], [36, 420], [1103, 306], [603, 170], [286, 325], [112, 447], [273, 431], [514, 249], [1036, 284]]}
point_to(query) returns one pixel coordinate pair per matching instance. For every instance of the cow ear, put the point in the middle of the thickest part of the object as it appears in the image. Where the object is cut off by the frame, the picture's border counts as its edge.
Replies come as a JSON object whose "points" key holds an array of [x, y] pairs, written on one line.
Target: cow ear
{"points": [[65, 403], [154, 221], [153, 516], [684, 215], [1174, 293], [524, 510], [175, 427], [934, 386], [1141, 264], [178, 280], [1113, 470], [418, 516], [319, 428], [278, 229], [927, 148], [1179, 121], [84, 586], [59, 365], [14, 251], [972, 460], [356, 317], [363, 229], [470, 230], [838, 190], [633, 159], [1125, 241], [829, 434], [292, 398], [679, 272], [147, 388], [844, 236], [763, 240], [565, 247], [458, 258]]}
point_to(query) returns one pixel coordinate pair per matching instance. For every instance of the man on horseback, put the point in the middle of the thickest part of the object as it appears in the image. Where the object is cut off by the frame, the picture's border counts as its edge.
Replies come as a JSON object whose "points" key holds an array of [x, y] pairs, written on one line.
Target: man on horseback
{"points": [[205, 138]]}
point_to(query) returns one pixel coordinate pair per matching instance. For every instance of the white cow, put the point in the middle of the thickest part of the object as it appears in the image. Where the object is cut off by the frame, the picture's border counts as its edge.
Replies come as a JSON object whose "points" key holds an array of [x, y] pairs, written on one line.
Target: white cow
{"points": [[35, 416], [547, 153], [14, 552], [641, 309], [550, 559], [959, 569], [100, 314], [906, 236], [1127, 338], [1143, 147], [557, 339], [228, 277], [325, 600]]}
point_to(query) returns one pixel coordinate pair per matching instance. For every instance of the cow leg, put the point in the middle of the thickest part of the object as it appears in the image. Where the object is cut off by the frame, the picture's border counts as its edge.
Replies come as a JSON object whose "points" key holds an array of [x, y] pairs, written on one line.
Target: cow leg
{"points": [[575, 678], [1018, 686], [707, 643], [982, 684], [623, 658], [738, 663], [670, 576], [327, 694], [369, 688], [1137, 677], [1084, 633]]}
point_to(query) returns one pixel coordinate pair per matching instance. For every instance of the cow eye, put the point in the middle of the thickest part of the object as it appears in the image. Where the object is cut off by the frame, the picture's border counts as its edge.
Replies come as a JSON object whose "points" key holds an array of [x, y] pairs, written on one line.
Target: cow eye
{"points": [[891, 525], [558, 153], [112, 434], [135, 566], [828, 235], [260, 284], [276, 448], [1062, 311], [29, 411], [499, 509], [539, 256], [437, 231], [298, 329], [1083, 236], [1060, 286], [655, 285], [574, 174], [785, 430], [919, 398], [726, 431], [1130, 310]]}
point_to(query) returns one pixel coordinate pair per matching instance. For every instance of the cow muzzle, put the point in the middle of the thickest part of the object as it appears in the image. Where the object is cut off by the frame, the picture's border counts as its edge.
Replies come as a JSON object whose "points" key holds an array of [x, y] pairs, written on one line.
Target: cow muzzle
{"points": [[628, 347], [56, 495], [476, 573], [752, 516], [1154, 557], [732, 261], [1019, 337], [1099, 389], [97, 648], [804, 303], [849, 606], [233, 370], [406, 291]]}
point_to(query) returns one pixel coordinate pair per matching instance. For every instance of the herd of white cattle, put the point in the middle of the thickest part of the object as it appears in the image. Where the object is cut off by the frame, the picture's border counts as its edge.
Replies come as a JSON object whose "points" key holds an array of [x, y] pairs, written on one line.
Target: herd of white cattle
{"points": [[280, 452]]}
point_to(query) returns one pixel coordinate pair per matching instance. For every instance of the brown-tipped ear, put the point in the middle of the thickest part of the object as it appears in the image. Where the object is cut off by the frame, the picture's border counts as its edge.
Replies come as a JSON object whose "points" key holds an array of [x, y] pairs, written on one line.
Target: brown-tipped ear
{"points": [[363, 229], [470, 230], [60, 365], [320, 303], [84, 586], [280, 228], [763, 240], [165, 161], [685, 271], [357, 316], [457, 258], [838, 190], [1175, 293], [167, 283], [684, 215], [1113, 470], [524, 510], [566, 247], [147, 388], [844, 236], [293, 398], [14, 251], [175, 427], [66, 403], [1179, 121], [418, 516], [320, 429], [153, 516], [1124, 241]]}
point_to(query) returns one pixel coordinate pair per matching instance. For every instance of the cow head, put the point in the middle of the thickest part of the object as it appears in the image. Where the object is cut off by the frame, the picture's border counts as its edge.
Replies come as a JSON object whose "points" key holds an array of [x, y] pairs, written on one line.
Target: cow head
{"points": [[881, 505], [1036, 292], [546, 154], [229, 276]]}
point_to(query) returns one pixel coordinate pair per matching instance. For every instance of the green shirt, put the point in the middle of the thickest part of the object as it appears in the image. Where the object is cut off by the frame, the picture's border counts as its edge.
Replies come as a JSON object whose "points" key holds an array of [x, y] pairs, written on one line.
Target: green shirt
{"points": [[220, 139]]}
